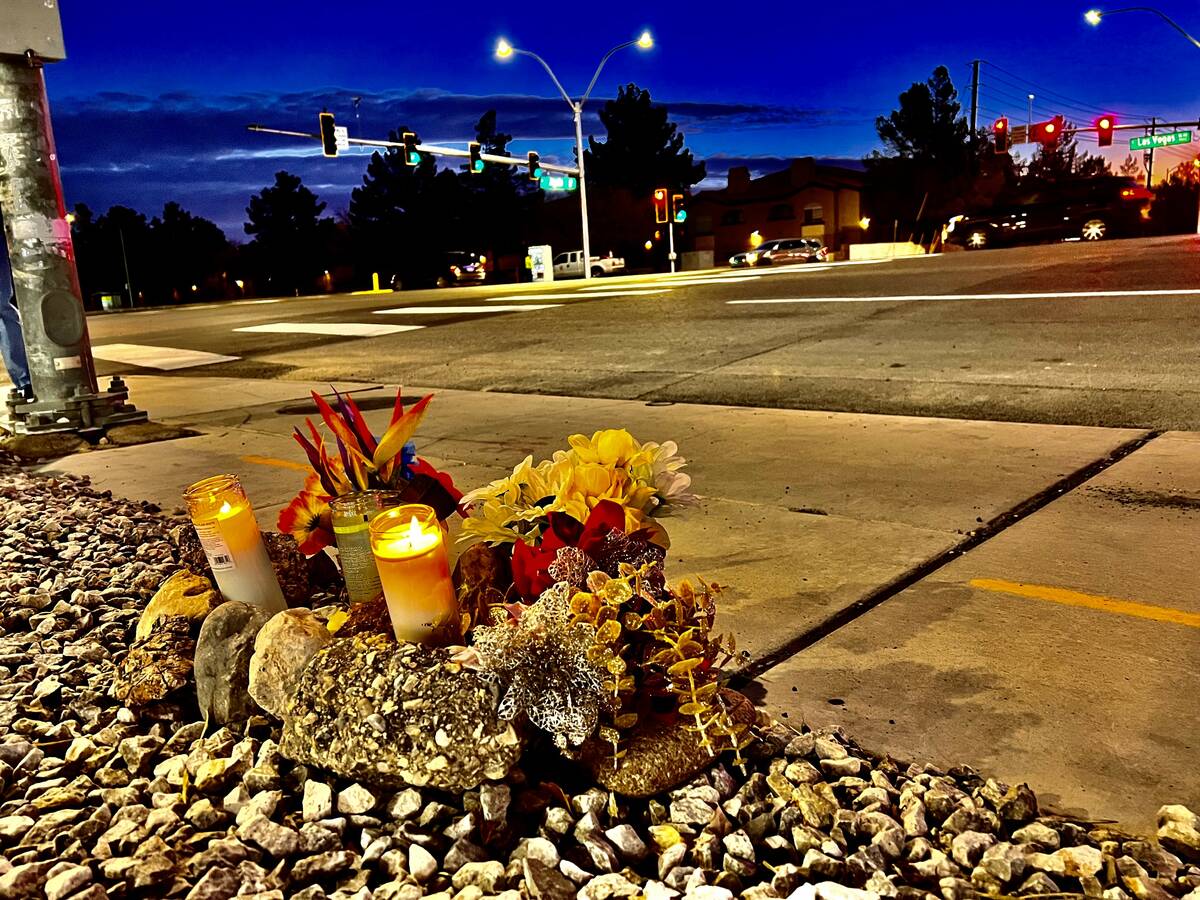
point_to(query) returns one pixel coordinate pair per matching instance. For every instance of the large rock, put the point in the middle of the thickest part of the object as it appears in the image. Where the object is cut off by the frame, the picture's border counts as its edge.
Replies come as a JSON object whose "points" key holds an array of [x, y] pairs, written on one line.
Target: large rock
{"points": [[371, 617], [157, 665], [482, 579], [281, 650], [223, 653], [660, 753], [1179, 831], [183, 594], [395, 715]]}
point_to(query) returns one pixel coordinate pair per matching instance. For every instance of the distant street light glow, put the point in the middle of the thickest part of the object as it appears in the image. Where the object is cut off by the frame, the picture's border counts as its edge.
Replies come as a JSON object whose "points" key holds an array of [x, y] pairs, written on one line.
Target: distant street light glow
{"points": [[649, 245], [864, 223], [504, 49], [1093, 16], [646, 41], [755, 239]]}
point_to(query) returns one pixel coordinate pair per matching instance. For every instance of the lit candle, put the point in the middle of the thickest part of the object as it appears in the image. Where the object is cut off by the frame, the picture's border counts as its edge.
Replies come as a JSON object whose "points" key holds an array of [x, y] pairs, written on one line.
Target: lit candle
{"points": [[228, 532], [414, 568]]}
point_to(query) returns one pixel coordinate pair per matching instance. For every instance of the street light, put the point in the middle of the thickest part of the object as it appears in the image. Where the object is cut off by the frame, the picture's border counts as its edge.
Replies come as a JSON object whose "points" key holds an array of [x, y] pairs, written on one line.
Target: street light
{"points": [[506, 51], [1094, 16]]}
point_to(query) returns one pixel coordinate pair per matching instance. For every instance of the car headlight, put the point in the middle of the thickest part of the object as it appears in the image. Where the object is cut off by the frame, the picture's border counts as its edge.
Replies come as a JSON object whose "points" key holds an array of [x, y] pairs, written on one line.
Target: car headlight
{"points": [[751, 258], [954, 220]]}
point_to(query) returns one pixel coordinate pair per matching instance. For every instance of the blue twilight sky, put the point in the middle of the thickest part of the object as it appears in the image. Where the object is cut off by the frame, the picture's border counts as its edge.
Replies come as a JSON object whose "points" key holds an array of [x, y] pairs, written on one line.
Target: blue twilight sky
{"points": [[152, 101]]}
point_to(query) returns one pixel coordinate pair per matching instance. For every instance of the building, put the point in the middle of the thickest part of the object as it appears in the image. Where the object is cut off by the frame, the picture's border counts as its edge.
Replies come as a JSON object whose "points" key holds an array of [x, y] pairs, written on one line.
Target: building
{"points": [[809, 198]]}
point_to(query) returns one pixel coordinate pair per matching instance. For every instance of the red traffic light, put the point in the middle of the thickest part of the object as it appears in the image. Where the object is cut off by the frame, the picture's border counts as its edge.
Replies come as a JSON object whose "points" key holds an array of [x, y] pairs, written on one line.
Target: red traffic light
{"points": [[1104, 130], [1048, 132], [660, 205], [1000, 134]]}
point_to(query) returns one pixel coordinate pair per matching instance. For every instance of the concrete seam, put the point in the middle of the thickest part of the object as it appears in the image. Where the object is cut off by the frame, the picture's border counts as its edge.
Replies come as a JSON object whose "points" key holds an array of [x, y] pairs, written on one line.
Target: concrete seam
{"points": [[745, 675]]}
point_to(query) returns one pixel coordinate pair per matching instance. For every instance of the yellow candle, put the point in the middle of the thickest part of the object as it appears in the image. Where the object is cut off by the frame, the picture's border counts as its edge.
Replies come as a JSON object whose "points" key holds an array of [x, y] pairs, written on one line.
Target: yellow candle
{"points": [[225, 524], [414, 567]]}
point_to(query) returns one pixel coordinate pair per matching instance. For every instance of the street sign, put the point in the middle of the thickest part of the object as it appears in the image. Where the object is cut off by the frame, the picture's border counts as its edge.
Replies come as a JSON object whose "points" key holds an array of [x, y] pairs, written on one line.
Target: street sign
{"points": [[558, 182], [1016, 135], [341, 136], [1167, 139]]}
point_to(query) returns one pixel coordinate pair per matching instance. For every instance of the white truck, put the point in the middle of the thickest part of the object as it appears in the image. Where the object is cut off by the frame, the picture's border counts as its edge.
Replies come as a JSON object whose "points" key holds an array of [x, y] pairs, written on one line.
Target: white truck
{"points": [[570, 265]]}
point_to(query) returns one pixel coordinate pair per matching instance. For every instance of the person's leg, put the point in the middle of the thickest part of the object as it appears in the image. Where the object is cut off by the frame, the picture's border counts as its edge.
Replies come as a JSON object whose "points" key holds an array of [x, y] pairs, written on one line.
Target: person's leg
{"points": [[12, 345]]}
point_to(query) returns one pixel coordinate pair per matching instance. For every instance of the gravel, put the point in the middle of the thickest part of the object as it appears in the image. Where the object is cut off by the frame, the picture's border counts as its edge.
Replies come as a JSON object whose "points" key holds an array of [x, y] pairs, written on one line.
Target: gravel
{"points": [[100, 803]]}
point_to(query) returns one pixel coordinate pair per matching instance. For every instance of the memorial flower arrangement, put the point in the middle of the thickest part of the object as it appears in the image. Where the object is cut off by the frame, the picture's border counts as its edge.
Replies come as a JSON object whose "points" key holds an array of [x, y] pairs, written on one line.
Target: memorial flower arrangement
{"points": [[358, 461]]}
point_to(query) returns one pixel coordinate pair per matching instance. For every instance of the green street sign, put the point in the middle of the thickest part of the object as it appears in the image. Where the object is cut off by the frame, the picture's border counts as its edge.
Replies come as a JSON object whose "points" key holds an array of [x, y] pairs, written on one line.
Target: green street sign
{"points": [[558, 182], [1167, 139]]}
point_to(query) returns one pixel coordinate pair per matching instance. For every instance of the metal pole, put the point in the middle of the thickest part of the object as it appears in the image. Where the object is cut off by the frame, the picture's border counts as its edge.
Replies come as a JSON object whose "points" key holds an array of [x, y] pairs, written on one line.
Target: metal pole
{"points": [[583, 212], [974, 100], [1029, 121], [125, 262], [1150, 156], [671, 242], [43, 263]]}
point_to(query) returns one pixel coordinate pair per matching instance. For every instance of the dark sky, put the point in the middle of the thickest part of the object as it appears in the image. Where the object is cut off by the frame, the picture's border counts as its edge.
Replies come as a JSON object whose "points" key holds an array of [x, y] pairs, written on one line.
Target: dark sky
{"points": [[152, 101]]}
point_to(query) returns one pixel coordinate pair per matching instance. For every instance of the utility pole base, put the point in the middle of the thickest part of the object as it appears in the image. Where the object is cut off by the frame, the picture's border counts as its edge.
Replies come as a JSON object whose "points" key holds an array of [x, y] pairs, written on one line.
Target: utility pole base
{"points": [[81, 413]]}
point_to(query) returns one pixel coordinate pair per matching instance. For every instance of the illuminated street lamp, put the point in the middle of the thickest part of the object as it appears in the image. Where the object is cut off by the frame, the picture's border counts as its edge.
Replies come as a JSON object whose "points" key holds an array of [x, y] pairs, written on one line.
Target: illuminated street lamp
{"points": [[506, 51], [1094, 16]]}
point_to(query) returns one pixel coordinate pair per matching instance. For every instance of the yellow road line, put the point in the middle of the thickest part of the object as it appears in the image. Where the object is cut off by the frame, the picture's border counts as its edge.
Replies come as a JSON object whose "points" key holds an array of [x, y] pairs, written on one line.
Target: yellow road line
{"points": [[1089, 601], [278, 463]]}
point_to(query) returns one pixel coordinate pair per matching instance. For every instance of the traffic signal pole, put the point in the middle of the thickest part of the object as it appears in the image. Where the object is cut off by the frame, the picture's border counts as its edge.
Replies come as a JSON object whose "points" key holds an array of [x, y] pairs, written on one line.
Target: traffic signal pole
{"points": [[587, 244], [66, 397]]}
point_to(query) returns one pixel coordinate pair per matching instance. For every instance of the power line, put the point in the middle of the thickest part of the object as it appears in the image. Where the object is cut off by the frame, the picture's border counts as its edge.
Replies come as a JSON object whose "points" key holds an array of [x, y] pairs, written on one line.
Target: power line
{"points": [[1061, 96]]}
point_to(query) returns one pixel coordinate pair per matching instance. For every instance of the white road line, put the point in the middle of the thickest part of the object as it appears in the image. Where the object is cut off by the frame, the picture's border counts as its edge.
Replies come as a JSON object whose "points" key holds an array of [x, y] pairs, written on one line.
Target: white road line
{"points": [[341, 329], [592, 294], [459, 310], [165, 358], [904, 298]]}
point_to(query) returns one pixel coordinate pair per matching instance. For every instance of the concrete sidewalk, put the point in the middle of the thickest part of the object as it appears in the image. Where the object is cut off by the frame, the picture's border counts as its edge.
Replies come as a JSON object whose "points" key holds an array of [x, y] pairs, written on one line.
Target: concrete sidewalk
{"points": [[810, 518]]}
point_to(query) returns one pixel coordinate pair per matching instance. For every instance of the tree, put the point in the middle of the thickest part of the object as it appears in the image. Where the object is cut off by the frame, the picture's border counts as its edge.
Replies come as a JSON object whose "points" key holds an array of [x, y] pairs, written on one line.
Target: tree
{"points": [[190, 252], [1063, 160], [1130, 168], [643, 149], [499, 196], [290, 236], [928, 126]]}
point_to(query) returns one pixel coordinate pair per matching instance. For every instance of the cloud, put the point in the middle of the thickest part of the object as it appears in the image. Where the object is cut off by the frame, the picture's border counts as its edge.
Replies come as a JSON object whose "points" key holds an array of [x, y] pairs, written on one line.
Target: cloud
{"points": [[141, 151]]}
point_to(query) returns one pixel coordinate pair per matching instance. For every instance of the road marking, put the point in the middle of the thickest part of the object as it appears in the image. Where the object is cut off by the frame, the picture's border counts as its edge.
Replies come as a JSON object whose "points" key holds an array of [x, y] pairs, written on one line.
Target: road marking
{"points": [[459, 310], [1089, 601], [1041, 295], [165, 358], [277, 463], [575, 296], [341, 329]]}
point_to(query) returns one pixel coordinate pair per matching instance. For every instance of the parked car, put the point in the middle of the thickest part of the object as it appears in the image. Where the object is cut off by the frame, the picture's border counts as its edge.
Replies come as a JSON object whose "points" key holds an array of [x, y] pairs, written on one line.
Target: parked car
{"points": [[782, 252], [570, 265], [1086, 209], [455, 267]]}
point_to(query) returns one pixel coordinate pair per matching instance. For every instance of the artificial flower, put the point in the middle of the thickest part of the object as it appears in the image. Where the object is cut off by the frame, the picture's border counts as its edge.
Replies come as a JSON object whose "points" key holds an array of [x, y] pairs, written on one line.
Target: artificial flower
{"points": [[307, 518]]}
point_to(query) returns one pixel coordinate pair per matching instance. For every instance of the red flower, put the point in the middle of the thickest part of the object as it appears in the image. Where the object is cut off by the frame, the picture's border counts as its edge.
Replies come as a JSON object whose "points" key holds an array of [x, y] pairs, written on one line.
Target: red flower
{"points": [[531, 564], [306, 518]]}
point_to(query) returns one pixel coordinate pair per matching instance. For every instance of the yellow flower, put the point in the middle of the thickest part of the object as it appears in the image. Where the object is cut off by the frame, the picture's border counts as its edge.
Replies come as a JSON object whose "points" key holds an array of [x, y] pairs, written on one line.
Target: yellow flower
{"points": [[611, 447]]}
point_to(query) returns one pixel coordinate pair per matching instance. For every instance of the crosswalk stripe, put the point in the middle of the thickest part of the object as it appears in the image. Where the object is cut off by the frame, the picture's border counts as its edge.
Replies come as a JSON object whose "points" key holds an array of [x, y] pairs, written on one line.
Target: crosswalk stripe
{"points": [[339, 329], [165, 358], [906, 298], [459, 310]]}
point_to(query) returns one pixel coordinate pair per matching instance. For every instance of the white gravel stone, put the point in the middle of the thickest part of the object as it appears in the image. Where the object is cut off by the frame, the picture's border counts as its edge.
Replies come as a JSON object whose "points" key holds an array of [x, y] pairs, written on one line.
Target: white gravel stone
{"points": [[356, 800], [421, 863], [318, 801]]}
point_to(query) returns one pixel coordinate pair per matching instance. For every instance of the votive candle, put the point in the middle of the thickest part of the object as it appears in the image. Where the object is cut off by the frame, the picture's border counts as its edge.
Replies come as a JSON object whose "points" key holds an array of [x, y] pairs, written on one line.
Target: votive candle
{"points": [[228, 532], [351, 515], [410, 551]]}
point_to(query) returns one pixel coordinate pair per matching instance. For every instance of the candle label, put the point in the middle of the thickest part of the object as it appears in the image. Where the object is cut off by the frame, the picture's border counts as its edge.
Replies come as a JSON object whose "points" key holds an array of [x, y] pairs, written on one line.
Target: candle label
{"points": [[220, 558]]}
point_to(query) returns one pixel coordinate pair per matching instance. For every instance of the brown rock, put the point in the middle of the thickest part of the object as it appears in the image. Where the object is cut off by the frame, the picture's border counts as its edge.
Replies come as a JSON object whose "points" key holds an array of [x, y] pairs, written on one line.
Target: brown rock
{"points": [[368, 618], [661, 753], [190, 553], [157, 665], [483, 578], [291, 567]]}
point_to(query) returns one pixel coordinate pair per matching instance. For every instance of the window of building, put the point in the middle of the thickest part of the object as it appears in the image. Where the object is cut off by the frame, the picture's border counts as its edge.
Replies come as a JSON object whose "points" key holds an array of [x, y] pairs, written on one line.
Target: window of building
{"points": [[814, 214], [781, 211], [731, 217]]}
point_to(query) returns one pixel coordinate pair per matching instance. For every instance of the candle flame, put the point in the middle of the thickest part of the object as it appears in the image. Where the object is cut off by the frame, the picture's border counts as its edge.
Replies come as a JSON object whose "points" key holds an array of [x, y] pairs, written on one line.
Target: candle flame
{"points": [[226, 509], [414, 531]]}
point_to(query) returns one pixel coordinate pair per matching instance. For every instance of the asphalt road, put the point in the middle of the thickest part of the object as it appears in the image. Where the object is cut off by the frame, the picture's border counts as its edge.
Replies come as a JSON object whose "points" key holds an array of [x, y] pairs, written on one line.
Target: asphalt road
{"points": [[1066, 333]]}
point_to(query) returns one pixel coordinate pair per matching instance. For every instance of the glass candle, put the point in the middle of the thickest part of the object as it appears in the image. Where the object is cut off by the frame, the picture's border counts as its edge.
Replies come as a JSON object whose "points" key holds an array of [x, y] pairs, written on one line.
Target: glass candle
{"points": [[352, 515], [409, 545], [225, 523]]}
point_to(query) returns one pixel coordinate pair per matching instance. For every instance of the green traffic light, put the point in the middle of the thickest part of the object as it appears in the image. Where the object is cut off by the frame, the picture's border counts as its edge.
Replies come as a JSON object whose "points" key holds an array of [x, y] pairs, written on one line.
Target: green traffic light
{"points": [[478, 165], [538, 172], [681, 216], [414, 158]]}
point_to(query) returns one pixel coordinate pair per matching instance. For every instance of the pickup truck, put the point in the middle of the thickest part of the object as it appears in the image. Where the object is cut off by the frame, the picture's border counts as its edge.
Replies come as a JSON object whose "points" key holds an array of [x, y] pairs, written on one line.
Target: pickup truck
{"points": [[569, 265]]}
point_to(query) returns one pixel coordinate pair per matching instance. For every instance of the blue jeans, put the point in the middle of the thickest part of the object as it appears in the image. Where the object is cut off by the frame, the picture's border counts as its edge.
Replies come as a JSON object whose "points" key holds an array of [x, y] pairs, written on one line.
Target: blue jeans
{"points": [[12, 344]]}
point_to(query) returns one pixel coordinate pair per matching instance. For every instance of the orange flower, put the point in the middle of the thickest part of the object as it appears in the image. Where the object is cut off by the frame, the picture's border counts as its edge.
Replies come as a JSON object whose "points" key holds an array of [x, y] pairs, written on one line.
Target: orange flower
{"points": [[307, 518]]}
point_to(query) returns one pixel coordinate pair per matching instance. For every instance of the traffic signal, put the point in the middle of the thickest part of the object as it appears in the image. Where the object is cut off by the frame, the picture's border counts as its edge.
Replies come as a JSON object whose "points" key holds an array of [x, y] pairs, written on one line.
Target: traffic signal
{"points": [[660, 204], [328, 137], [411, 156], [1000, 134], [678, 213], [1104, 130], [476, 161], [535, 169], [1048, 133]]}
